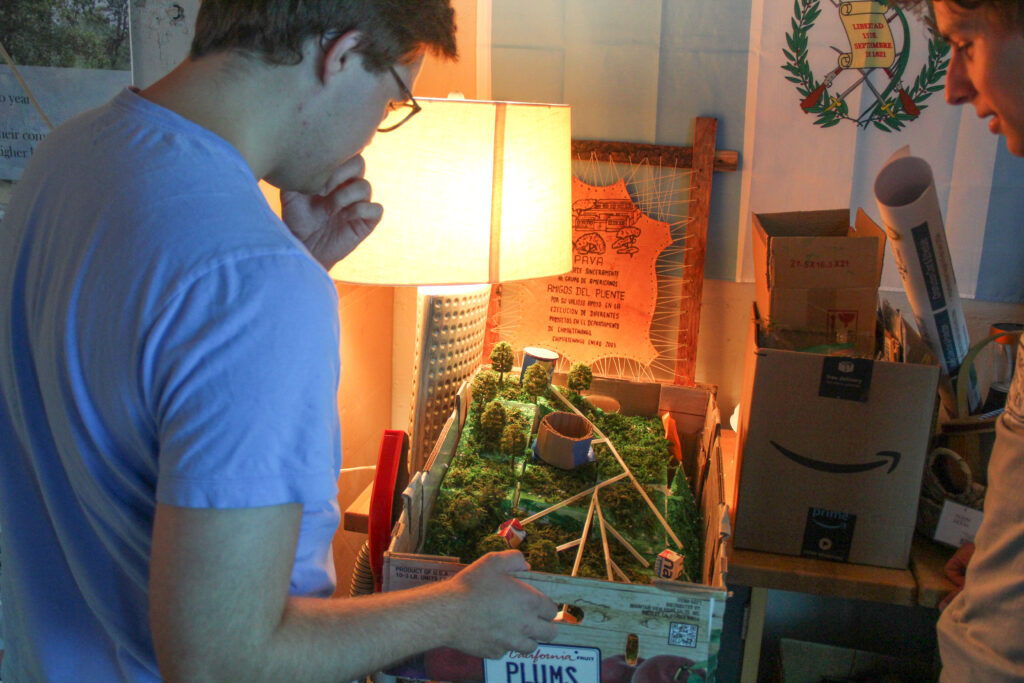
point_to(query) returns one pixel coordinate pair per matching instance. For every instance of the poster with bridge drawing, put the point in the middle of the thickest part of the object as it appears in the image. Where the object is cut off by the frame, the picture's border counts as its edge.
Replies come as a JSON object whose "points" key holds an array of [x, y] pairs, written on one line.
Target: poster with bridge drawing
{"points": [[604, 307]]}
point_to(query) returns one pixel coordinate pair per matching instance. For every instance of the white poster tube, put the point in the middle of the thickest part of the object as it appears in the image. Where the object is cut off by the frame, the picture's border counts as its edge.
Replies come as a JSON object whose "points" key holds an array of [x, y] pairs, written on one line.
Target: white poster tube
{"points": [[905, 192]]}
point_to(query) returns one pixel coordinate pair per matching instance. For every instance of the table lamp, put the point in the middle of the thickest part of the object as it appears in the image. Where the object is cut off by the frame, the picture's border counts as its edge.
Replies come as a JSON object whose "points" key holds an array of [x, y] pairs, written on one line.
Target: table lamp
{"points": [[474, 193]]}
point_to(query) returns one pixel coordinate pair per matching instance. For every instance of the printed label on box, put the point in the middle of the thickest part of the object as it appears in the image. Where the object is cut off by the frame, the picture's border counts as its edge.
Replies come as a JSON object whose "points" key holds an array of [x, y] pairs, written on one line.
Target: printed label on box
{"points": [[957, 524], [409, 572], [842, 326], [845, 378], [548, 663], [828, 534]]}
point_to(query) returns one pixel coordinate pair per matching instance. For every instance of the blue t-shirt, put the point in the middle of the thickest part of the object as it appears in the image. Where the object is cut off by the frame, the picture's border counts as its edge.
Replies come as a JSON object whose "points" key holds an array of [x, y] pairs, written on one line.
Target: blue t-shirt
{"points": [[163, 338]]}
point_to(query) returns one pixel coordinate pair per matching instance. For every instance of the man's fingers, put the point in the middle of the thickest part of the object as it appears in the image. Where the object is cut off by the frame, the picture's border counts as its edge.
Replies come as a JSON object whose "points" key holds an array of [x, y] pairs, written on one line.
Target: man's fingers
{"points": [[353, 192], [524, 646], [509, 561], [369, 212], [546, 631], [948, 599], [956, 578], [351, 168]]}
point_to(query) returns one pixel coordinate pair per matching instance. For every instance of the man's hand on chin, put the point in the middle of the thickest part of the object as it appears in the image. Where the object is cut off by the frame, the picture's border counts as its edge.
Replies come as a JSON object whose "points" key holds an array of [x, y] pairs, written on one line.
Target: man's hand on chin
{"points": [[333, 223]]}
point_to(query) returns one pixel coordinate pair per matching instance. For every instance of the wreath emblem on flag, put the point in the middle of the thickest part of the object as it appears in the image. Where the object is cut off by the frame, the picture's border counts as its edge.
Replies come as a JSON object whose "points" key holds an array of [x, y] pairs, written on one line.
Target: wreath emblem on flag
{"points": [[873, 54]]}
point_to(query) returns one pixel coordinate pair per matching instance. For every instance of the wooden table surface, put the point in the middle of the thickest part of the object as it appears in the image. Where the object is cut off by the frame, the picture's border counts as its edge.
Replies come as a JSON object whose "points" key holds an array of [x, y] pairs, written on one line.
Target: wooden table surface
{"points": [[923, 584]]}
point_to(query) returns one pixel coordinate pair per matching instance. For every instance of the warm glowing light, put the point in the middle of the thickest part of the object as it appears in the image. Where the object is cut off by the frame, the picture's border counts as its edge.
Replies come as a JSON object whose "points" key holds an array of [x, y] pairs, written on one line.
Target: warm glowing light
{"points": [[473, 192]]}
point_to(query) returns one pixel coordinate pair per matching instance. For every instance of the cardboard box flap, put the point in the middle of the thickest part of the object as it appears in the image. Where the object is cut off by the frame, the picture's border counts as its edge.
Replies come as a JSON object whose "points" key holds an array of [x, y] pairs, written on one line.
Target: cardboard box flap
{"points": [[813, 249], [865, 227], [823, 223]]}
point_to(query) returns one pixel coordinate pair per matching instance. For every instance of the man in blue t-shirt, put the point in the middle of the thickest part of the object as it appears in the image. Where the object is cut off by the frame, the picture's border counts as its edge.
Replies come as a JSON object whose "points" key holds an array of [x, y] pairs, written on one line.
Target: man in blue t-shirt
{"points": [[169, 439]]}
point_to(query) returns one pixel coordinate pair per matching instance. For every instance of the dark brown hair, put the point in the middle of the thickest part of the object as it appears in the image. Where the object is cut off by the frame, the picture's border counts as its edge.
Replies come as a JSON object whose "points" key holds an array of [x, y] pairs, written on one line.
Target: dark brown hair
{"points": [[276, 30], [1010, 11]]}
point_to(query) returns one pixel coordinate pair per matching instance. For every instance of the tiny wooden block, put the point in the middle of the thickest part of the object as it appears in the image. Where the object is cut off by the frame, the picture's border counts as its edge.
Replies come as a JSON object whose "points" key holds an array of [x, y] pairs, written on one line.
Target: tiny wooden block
{"points": [[513, 533], [568, 614], [668, 565]]}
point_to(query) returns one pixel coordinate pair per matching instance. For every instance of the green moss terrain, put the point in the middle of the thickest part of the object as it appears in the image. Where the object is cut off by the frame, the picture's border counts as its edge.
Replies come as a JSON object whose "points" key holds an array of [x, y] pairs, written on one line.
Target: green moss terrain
{"points": [[485, 487]]}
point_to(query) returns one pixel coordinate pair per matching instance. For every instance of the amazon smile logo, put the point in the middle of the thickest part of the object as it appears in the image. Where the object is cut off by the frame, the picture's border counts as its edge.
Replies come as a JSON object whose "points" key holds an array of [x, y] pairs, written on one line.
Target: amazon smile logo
{"points": [[890, 458]]}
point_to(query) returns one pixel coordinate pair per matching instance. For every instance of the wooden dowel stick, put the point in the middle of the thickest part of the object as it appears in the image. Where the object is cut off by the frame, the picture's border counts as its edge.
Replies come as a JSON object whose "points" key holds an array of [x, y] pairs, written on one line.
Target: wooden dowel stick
{"points": [[622, 575], [583, 538], [626, 544], [625, 468], [604, 539], [570, 544]]}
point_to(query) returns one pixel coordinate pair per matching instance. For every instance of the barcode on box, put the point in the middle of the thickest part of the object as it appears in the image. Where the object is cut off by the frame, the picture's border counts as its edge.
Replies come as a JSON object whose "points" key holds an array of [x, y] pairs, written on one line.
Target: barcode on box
{"points": [[683, 635]]}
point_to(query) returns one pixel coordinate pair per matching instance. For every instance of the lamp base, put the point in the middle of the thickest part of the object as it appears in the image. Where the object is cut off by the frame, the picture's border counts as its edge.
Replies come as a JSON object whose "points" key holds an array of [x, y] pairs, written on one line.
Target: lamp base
{"points": [[451, 322]]}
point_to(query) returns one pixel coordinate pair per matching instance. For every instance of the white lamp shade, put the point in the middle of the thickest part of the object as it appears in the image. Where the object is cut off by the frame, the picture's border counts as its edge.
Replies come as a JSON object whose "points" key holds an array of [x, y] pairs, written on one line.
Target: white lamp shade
{"points": [[473, 192]]}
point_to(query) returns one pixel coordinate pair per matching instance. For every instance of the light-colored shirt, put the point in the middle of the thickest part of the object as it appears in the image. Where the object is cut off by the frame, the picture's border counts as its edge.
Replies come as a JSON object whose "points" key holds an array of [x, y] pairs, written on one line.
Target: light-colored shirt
{"points": [[981, 632]]}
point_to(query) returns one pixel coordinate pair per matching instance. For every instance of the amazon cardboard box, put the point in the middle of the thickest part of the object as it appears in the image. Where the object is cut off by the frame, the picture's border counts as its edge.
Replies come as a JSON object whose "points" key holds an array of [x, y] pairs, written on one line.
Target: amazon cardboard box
{"points": [[832, 451], [817, 276]]}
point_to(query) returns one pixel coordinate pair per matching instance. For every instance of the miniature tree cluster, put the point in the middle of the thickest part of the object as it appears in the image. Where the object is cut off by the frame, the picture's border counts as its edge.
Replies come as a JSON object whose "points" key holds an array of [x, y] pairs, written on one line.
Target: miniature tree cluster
{"points": [[494, 478]]}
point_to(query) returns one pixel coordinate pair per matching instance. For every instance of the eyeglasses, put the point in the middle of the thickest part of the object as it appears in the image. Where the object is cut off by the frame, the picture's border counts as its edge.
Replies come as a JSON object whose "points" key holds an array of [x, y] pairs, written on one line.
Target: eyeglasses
{"points": [[410, 104]]}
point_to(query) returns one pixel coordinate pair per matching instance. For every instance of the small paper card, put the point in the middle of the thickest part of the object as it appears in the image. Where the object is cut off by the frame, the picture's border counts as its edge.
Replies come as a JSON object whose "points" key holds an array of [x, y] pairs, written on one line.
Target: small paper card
{"points": [[546, 663], [957, 524]]}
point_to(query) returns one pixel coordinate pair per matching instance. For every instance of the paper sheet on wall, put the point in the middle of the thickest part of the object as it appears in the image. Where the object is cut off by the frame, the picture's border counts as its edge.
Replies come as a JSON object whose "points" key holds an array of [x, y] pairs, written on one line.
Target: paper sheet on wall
{"points": [[74, 62]]}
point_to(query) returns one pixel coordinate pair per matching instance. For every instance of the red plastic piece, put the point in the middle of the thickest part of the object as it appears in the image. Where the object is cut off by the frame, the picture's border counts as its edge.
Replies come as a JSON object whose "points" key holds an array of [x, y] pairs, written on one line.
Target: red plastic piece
{"points": [[382, 497]]}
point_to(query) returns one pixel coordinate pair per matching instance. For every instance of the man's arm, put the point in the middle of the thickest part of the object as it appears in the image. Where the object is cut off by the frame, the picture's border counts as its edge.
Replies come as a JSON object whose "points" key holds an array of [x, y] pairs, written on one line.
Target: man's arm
{"points": [[220, 609]]}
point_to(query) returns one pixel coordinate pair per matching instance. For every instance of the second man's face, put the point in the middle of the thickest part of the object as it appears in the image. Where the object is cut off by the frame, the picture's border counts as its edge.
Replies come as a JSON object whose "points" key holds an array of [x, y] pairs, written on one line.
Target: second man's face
{"points": [[986, 68]]}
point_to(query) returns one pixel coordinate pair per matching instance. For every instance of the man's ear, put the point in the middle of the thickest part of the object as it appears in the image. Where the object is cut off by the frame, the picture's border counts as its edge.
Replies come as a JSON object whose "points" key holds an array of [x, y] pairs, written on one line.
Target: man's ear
{"points": [[338, 53]]}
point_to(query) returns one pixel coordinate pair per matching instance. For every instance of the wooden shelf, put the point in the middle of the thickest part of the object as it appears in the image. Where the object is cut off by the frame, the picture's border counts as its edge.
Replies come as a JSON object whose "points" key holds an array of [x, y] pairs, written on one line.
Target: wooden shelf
{"points": [[821, 577], [357, 515], [922, 585]]}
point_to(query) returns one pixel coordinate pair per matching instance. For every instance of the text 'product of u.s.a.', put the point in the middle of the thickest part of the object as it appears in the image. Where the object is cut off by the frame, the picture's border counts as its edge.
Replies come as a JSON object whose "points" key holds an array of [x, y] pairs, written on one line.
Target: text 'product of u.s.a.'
{"points": [[909, 204]]}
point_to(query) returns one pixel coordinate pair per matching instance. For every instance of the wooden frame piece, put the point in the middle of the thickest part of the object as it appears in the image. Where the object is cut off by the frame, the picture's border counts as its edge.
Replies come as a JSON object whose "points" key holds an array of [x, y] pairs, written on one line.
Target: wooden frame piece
{"points": [[703, 159]]}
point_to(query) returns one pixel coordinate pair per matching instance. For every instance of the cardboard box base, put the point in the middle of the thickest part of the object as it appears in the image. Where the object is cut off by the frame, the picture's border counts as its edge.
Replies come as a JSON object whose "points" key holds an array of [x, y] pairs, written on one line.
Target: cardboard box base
{"points": [[832, 453], [659, 621]]}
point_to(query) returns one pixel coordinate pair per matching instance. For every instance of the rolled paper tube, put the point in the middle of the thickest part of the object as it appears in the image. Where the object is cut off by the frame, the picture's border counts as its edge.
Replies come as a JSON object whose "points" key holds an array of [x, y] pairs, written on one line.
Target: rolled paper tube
{"points": [[535, 354], [909, 204]]}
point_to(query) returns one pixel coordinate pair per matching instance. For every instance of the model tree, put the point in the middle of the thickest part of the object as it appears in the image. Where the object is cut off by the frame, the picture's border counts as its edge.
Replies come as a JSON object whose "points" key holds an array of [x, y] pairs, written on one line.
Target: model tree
{"points": [[502, 358], [492, 422], [579, 377], [543, 556], [491, 543], [513, 440], [535, 380], [485, 387], [464, 513]]}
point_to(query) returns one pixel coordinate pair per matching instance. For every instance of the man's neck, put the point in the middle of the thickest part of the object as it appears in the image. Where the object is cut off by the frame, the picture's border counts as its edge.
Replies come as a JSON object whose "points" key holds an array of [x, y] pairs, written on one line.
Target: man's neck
{"points": [[246, 102]]}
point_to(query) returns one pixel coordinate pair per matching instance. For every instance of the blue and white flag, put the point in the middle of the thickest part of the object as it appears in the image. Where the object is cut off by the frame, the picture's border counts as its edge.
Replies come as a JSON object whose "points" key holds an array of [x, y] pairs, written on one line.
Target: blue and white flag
{"points": [[834, 88]]}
